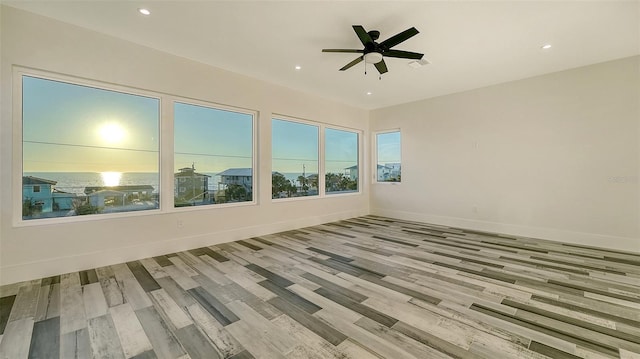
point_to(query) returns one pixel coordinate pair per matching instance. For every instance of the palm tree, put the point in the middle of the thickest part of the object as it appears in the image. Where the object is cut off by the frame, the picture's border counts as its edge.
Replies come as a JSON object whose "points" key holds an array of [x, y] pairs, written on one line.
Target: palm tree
{"points": [[279, 184]]}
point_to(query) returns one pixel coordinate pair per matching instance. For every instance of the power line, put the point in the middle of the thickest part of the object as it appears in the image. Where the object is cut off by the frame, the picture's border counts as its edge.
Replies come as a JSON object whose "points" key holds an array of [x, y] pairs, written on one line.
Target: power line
{"points": [[90, 146]]}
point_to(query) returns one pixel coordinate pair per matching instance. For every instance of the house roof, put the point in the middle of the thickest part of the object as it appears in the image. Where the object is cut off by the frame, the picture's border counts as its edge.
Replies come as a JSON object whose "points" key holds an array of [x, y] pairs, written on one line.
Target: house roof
{"points": [[36, 180], [189, 174], [244, 172]]}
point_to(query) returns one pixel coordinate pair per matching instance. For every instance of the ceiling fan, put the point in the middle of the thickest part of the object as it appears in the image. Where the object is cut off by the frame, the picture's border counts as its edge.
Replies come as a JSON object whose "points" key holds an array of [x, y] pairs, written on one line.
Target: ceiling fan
{"points": [[374, 52]]}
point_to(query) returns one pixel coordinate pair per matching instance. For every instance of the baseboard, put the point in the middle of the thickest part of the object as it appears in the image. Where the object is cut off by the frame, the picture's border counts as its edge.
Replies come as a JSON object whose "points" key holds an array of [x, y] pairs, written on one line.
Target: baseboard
{"points": [[626, 244], [55, 266]]}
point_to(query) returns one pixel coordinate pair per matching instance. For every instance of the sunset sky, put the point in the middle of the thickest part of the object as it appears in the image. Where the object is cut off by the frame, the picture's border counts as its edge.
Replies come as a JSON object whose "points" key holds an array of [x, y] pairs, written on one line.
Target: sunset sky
{"points": [[73, 128]]}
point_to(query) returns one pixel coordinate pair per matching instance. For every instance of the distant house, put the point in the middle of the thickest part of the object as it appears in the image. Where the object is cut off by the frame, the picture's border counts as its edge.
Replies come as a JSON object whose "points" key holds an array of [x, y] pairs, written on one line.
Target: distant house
{"points": [[43, 197], [237, 176], [63, 201], [191, 186], [102, 196], [39, 193], [106, 198], [384, 173], [351, 172], [395, 170]]}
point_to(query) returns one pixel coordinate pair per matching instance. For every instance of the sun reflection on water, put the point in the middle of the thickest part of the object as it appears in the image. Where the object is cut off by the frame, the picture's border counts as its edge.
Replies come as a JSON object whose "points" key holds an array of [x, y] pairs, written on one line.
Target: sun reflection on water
{"points": [[111, 178]]}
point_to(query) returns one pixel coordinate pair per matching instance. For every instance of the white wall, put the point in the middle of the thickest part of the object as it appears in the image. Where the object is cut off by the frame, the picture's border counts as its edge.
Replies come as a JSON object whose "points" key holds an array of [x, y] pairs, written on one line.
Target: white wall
{"points": [[27, 252], [554, 156]]}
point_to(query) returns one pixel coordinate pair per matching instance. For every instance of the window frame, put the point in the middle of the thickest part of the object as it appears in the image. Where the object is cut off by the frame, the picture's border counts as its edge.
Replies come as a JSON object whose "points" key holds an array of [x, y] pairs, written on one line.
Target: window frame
{"points": [[254, 155], [275, 116], [374, 168], [360, 155], [322, 194], [17, 145]]}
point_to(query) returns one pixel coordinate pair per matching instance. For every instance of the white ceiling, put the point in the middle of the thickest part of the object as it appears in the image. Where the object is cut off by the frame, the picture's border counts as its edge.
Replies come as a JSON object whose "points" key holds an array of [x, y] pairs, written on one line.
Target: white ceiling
{"points": [[469, 44]]}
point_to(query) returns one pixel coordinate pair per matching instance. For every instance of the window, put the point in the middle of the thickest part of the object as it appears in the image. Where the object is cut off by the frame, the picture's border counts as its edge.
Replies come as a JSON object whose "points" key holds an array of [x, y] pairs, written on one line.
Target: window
{"points": [[212, 147], [88, 150], [388, 161], [340, 161], [294, 159], [36, 189]]}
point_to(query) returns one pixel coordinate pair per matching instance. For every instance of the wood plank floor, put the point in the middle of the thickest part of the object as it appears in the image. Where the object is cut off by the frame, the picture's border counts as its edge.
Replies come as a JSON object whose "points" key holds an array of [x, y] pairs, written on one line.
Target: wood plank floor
{"points": [[361, 288]]}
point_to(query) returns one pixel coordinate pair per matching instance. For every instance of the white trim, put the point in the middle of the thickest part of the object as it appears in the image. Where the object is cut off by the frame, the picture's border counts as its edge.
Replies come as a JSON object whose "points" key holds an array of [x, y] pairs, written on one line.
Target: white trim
{"points": [[105, 257], [320, 156], [359, 143], [254, 148], [18, 72], [551, 234], [374, 156]]}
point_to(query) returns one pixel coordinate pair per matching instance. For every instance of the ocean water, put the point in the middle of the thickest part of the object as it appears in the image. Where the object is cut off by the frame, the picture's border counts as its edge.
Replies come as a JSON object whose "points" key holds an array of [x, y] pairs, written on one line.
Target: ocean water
{"points": [[75, 182]]}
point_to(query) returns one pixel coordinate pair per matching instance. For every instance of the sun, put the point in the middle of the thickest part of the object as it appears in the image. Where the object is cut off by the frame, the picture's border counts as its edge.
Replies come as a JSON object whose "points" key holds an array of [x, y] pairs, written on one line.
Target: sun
{"points": [[112, 133]]}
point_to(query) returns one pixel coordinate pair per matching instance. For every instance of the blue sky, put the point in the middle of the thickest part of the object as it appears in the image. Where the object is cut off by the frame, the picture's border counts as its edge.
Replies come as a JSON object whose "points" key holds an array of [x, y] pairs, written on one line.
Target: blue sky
{"points": [[388, 147], [213, 139], [83, 129], [341, 150], [294, 145]]}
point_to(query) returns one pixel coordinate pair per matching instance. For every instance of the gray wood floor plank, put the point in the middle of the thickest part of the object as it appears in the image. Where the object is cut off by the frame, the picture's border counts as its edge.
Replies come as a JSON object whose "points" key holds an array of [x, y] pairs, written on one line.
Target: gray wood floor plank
{"points": [[72, 316], [133, 339], [6, 305], [17, 339], [88, 276], [104, 338], [327, 332], [26, 301], [254, 341], [169, 309], [290, 297], [95, 304], [164, 342], [143, 276], [282, 342], [75, 345], [213, 306], [218, 335], [45, 340], [410, 345], [132, 290], [276, 279], [196, 344], [357, 307]]}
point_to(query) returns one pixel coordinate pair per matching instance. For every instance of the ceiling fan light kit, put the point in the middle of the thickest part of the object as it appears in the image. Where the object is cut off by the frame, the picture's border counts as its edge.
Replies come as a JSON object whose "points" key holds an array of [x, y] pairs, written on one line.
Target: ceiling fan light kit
{"points": [[374, 53]]}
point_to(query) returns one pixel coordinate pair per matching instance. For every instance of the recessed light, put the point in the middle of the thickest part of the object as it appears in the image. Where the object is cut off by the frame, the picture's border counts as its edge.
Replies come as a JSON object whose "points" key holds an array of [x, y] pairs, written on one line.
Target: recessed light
{"points": [[298, 67], [144, 11], [546, 46], [369, 93]]}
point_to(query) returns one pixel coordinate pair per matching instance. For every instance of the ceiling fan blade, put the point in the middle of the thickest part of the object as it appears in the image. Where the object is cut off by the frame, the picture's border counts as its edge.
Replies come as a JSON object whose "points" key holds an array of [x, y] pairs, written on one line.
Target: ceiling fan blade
{"points": [[403, 54], [382, 67], [365, 38], [398, 38], [354, 62], [344, 50]]}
